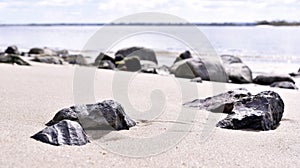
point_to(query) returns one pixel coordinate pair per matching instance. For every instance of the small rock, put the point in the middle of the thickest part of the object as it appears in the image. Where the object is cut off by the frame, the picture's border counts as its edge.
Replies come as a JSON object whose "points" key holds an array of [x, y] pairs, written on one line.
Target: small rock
{"points": [[12, 59], [65, 132], [268, 79], [198, 80], [12, 50], [230, 59], [285, 85], [103, 57]]}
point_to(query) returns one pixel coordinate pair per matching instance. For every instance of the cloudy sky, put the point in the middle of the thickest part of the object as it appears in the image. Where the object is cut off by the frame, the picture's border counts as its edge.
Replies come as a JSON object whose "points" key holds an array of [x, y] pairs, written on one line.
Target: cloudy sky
{"points": [[95, 11]]}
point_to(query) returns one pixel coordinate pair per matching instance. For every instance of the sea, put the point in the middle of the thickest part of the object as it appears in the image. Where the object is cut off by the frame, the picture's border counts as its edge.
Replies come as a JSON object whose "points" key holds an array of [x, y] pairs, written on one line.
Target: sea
{"points": [[263, 44]]}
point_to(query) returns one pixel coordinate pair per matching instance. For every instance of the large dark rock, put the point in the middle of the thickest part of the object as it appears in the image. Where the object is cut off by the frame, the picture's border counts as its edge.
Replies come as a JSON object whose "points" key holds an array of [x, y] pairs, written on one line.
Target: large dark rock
{"points": [[245, 111], [36, 51], [236, 70], [12, 50], [107, 114], [285, 85], [76, 59], [260, 112], [268, 79], [65, 132], [141, 52], [195, 67], [12, 59], [48, 59]]}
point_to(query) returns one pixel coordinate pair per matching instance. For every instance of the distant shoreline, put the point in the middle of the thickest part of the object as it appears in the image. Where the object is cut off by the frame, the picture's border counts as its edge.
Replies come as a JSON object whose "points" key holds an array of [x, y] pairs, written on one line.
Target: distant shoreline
{"points": [[267, 23]]}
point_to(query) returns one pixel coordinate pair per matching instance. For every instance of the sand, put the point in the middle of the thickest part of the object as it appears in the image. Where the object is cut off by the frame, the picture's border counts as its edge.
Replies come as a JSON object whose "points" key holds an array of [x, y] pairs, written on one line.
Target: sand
{"points": [[30, 96]]}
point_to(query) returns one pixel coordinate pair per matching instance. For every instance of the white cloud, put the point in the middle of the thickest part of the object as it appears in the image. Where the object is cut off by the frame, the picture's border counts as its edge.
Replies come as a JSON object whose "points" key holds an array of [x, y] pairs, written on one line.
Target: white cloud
{"points": [[60, 2]]}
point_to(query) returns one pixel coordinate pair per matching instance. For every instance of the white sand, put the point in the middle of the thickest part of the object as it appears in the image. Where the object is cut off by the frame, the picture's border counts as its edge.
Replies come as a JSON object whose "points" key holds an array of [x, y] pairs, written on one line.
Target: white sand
{"points": [[30, 96]]}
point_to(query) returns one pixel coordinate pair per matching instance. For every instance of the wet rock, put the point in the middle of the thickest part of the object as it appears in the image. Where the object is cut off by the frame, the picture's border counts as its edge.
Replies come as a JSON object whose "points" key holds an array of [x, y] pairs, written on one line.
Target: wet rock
{"points": [[12, 50], [12, 59], [65, 132], [260, 112], [105, 115], [268, 79], [197, 80], [76, 59], [190, 68], [141, 52], [285, 85], [48, 59], [221, 103], [236, 70]]}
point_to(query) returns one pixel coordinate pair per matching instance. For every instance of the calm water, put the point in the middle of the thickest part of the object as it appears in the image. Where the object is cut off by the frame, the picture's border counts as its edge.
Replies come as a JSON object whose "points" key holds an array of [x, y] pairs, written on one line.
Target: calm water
{"points": [[252, 43]]}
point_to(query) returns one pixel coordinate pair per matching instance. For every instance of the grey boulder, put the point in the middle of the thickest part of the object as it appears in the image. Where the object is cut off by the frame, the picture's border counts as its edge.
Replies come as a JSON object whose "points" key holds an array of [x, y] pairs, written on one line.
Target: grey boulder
{"points": [[65, 132], [141, 52], [12, 59], [268, 79], [285, 85], [76, 59]]}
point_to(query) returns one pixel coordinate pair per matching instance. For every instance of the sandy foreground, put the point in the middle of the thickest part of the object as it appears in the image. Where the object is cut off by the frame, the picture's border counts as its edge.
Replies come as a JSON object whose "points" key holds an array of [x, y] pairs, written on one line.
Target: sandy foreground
{"points": [[171, 136]]}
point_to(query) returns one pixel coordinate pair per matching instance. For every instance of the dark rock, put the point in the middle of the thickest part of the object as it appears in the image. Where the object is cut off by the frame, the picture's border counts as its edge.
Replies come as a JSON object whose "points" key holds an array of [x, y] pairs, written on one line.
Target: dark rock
{"points": [[12, 59], [103, 57], [268, 79], [285, 85], [195, 67], [106, 64], [65, 132], [12, 50], [141, 52], [221, 103], [131, 64], [295, 74], [197, 80], [48, 59], [184, 55], [260, 112], [230, 59], [106, 114], [43, 51], [238, 73], [76, 59]]}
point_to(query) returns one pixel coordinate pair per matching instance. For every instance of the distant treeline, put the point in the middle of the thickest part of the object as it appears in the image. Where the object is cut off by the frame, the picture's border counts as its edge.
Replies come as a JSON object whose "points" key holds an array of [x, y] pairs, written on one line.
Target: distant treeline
{"points": [[264, 22]]}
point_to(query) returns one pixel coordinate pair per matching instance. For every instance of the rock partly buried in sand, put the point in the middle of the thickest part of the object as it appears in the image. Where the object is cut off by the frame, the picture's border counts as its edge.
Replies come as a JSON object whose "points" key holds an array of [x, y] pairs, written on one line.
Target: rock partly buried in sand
{"points": [[65, 132], [48, 59], [103, 58], [260, 112], [12, 59], [237, 71], [268, 79], [43, 51], [76, 59], [285, 85], [183, 56], [197, 80], [141, 52], [12, 50], [221, 103], [195, 67], [245, 111], [105, 115]]}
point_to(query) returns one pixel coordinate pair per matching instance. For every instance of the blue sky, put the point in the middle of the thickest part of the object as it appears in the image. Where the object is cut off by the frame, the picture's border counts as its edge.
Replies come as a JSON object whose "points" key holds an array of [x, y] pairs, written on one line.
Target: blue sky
{"points": [[94, 11]]}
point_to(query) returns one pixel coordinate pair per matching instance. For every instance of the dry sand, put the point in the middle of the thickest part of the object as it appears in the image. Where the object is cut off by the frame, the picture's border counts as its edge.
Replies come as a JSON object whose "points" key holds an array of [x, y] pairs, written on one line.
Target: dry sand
{"points": [[30, 96]]}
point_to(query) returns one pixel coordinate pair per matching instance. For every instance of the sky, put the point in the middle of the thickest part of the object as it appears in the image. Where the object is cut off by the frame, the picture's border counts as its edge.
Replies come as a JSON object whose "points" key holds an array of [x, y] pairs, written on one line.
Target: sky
{"points": [[105, 11]]}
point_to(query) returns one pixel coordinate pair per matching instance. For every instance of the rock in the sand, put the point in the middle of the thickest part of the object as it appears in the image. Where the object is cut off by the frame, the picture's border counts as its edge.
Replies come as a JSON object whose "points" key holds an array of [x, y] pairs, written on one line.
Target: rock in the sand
{"points": [[76, 59], [36, 51], [195, 67], [295, 74], [48, 59], [43, 51], [12, 50], [221, 103], [285, 85], [103, 57], [236, 70], [197, 80], [268, 79], [131, 64], [12, 59], [245, 111], [141, 52], [163, 70], [259, 112], [106, 64], [65, 132], [184, 55], [106, 115]]}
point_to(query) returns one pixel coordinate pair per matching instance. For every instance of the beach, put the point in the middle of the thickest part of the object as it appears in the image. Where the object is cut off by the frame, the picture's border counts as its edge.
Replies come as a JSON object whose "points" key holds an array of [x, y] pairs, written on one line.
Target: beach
{"points": [[31, 96]]}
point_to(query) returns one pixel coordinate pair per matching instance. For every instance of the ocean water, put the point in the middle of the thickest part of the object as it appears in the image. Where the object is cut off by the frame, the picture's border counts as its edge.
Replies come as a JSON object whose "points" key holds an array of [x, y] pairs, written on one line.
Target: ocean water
{"points": [[260, 43]]}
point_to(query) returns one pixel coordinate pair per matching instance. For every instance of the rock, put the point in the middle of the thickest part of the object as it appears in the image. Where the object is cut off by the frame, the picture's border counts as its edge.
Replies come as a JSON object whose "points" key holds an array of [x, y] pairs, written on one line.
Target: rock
{"points": [[221, 103], [141, 52], [65, 132], [238, 73], [195, 67], [62, 53], [106, 64], [12, 59], [285, 85], [260, 112], [245, 111], [184, 55], [268, 79], [236, 70], [12, 50], [295, 74], [43, 51], [103, 57], [107, 114], [230, 59], [163, 70], [131, 64], [48, 59], [36, 51], [76, 59], [197, 80]]}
